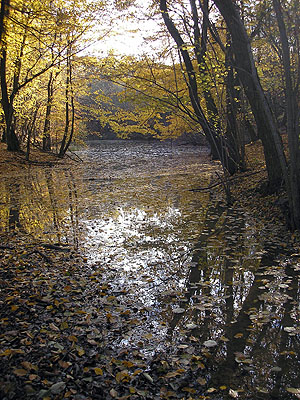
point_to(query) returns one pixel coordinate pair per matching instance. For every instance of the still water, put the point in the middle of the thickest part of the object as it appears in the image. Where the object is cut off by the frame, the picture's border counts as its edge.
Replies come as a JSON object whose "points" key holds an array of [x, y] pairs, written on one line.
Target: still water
{"points": [[203, 278]]}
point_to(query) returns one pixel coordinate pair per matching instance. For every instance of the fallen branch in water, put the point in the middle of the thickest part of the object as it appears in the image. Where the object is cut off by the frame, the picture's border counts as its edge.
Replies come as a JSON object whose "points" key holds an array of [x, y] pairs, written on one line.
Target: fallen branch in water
{"points": [[220, 183], [5, 247], [75, 155], [48, 259], [55, 247]]}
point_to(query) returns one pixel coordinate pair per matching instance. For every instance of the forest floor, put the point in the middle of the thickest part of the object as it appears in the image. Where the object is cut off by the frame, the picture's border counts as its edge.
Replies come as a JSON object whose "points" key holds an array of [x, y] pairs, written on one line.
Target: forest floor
{"points": [[52, 331]]}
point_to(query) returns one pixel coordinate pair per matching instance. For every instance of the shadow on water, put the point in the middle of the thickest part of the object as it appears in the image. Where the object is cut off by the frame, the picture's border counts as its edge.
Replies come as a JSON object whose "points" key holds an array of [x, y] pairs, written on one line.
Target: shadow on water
{"points": [[241, 308], [200, 282]]}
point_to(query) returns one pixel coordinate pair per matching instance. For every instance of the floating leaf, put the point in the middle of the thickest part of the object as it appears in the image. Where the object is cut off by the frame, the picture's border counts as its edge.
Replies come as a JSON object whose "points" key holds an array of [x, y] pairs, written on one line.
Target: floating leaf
{"points": [[73, 338], [191, 326], [64, 325], [224, 339], [27, 365], [98, 371], [276, 369], [57, 387], [113, 393], [210, 343], [54, 327], [123, 376], [262, 390], [178, 310], [64, 364], [293, 390], [238, 335], [174, 373], [20, 372], [148, 377], [289, 329], [233, 393], [211, 390], [80, 351], [201, 381]]}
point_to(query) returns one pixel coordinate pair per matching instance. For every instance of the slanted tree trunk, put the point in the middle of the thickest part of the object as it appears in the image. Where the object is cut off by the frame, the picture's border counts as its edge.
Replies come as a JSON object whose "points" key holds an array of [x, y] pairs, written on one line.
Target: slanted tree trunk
{"points": [[216, 142], [68, 136], [244, 64], [62, 150]]}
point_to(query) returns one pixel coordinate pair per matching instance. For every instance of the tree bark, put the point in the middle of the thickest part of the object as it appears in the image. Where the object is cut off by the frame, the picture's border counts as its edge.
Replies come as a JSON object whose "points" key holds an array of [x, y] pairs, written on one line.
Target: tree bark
{"points": [[244, 64], [69, 102], [7, 104], [292, 112], [7, 101], [46, 133]]}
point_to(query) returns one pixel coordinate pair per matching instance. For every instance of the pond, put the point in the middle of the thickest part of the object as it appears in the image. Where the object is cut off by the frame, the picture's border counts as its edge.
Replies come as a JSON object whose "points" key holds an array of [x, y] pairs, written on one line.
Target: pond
{"points": [[197, 280]]}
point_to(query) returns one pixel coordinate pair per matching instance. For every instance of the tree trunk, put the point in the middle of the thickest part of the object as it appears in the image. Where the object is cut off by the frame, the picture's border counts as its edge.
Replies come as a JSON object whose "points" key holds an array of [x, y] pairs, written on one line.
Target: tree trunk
{"points": [[69, 101], [62, 150], [11, 138], [46, 133], [215, 141], [30, 130], [7, 102], [292, 112], [235, 139], [244, 64]]}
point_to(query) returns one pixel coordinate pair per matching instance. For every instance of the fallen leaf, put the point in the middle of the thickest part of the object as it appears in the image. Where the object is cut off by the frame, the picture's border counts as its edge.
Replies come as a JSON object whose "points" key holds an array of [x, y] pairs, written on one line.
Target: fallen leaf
{"points": [[233, 393], [293, 390], [191, 326], [20, 372], [113, 393], [178, 310], [210, 343], [211, 390], [98, 371], [238, 335], [57, 387]]}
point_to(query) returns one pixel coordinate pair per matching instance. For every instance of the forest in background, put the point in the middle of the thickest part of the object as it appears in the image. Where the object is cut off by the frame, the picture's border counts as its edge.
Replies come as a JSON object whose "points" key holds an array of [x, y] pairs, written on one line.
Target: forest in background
{"points": [[227, 71]]}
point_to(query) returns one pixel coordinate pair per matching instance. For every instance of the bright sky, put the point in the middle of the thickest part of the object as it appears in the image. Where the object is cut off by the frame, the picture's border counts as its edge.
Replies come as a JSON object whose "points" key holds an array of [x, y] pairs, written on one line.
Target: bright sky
{"points": [[126, 37]]}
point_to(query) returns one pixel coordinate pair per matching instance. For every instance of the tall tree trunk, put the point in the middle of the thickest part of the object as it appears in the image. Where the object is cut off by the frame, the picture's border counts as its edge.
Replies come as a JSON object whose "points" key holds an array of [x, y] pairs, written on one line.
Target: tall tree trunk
{"points": [[292, 111], [46, 133], [62, 150], [7, 101], [4, 7], [244, 64], [235, 139], [7, 104], [30, 130]]}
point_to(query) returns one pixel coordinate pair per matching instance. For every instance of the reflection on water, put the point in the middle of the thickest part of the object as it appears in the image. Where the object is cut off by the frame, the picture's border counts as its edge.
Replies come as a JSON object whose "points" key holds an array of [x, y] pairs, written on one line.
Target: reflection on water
{"points": [[194, 271]]}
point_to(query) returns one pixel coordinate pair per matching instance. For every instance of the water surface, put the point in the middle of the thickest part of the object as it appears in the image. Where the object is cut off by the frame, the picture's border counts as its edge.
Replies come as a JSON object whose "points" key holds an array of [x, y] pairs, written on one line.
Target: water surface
{"points": [[197, 279]]}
